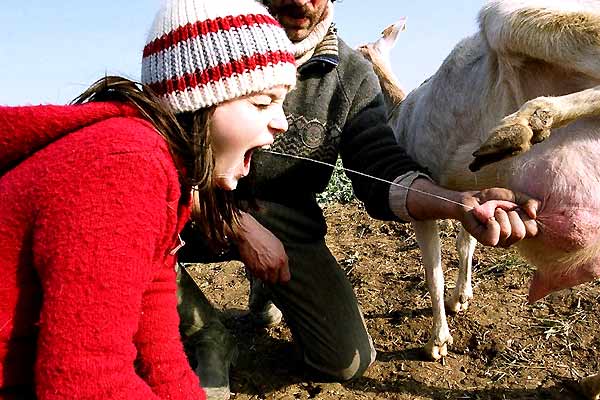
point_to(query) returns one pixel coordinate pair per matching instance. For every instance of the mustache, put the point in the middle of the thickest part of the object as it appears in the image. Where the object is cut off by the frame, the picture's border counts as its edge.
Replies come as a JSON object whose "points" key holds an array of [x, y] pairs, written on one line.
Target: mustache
{"points": [[295, 11]]}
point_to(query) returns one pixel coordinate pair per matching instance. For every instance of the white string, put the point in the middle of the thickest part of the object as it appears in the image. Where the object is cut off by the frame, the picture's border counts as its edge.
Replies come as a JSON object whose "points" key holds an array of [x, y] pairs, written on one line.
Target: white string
{"points": [[370, 176]]}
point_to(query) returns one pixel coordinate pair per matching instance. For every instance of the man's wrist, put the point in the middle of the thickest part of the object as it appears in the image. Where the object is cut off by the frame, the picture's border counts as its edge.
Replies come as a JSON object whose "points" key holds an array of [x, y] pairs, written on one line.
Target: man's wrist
{"points": [[398, 195], [430, 201]]}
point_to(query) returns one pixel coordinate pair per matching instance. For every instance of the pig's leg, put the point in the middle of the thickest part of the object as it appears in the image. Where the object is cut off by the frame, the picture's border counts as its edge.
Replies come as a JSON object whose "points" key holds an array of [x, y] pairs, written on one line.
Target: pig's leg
{"points": [[428, 238], [533, 123], [463, 291], [591, 387]]}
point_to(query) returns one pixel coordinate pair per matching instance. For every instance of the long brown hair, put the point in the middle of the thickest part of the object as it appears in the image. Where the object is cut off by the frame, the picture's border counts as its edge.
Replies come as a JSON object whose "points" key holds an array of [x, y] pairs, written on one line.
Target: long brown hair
{"points": [[187, 136]]}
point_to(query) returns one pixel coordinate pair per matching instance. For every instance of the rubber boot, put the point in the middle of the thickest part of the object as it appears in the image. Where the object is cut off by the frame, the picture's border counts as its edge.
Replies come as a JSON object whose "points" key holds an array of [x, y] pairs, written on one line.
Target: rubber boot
{"points": [[209, 346]]}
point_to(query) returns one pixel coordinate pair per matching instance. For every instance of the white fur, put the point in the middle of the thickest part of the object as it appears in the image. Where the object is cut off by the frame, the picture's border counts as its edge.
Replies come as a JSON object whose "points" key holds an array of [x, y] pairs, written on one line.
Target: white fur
{"points": [[492, 80]]}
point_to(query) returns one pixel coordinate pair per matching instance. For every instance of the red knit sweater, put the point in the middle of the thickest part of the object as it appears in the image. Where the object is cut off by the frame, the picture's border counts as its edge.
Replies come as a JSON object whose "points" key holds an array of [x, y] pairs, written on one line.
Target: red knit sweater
{"points": [[89, 211]]}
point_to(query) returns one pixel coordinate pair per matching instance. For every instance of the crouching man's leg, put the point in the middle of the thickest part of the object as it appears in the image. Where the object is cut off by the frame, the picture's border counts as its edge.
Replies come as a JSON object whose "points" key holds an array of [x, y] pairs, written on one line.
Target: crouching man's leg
{"points": [[208, 344], [591, 387], [318, 304], [322, 311]]}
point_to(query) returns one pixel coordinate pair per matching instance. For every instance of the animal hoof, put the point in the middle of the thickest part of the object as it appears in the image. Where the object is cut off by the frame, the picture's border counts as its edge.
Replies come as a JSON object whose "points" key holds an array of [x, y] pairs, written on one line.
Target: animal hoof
{"points": [[506, 141], [436, 350], [455, 306], [516, 135], [541, 123], [459, 302]]}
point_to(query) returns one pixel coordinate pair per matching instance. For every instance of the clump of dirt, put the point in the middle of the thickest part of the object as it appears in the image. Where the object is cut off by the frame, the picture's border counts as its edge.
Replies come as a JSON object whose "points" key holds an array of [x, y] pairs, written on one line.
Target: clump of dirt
{"points": [[503, 347]]}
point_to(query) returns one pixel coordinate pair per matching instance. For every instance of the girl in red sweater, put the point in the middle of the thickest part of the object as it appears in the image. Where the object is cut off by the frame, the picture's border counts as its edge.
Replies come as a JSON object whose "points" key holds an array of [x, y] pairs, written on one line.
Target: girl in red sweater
{"points": [[93, 196]]}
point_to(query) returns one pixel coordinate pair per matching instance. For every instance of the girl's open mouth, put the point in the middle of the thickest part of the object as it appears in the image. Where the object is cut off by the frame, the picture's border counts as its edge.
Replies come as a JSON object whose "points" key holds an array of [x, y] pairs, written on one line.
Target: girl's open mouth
{"points": [[248, 156]]}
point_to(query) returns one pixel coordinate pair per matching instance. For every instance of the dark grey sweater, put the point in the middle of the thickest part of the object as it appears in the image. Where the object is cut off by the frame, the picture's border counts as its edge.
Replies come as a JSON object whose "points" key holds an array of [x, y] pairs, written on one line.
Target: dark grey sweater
{"points": [[336, 108]]}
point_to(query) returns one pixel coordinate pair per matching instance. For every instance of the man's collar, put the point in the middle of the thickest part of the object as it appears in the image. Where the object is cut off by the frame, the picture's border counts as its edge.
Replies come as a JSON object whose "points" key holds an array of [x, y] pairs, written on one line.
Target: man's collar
{"points": [[326, 54]]}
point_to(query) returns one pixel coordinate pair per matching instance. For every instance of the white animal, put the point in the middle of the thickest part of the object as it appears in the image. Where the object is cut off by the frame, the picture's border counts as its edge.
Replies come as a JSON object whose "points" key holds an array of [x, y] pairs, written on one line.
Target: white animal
{"points": [[522, 95]]}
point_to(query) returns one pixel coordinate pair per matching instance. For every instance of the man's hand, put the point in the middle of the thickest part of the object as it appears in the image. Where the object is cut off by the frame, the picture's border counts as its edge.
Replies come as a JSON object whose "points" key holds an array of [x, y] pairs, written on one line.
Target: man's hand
{"points": [[499, 217], [262, 252]]}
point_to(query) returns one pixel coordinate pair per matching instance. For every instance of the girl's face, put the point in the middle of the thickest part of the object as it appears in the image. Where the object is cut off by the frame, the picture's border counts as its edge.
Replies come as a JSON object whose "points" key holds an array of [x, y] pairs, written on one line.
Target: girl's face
{"points": [[240, 126]]}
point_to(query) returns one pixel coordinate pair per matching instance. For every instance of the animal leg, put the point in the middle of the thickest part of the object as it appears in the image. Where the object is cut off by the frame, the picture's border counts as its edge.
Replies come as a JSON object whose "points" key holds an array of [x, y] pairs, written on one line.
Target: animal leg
{"points": [[428, 238], [463, 291], [558, 32], [378, 53], [533, 123]]}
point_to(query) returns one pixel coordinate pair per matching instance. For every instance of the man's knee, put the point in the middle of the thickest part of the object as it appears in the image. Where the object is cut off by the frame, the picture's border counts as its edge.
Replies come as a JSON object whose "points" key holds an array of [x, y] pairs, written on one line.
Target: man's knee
{"points": [[355, 370], [345, 367]]}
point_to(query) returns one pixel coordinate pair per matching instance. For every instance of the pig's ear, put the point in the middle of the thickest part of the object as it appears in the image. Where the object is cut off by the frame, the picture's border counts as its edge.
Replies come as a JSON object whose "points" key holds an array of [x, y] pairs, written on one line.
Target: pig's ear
{"points": [[390, 34]]}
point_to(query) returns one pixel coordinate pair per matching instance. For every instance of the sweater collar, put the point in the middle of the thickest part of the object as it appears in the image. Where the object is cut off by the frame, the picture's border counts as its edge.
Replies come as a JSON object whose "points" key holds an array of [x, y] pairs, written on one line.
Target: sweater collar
{"points": [[326, 54]]}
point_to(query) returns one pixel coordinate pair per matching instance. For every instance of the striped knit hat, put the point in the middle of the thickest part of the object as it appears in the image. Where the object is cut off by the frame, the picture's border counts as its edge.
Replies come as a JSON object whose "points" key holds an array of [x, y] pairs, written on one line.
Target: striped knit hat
{"points": [[201, 53]]}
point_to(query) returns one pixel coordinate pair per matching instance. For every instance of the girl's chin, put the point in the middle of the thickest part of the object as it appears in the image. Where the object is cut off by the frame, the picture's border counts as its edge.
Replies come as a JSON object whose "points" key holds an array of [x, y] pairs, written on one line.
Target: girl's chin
{"points": [[227, 182]]}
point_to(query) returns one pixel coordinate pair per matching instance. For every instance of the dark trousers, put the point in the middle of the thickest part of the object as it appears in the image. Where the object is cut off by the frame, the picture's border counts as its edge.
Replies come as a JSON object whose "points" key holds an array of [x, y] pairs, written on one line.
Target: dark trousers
{"points": [[319, 304]]}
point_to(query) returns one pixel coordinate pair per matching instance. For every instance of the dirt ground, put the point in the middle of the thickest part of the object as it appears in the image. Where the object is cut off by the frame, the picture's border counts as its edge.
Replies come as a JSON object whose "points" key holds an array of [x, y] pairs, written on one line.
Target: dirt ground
{"points": [[503, 347]]}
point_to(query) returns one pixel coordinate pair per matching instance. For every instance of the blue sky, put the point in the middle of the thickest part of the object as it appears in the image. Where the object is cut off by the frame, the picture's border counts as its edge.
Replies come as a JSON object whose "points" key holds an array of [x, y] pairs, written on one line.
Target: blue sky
{"points": [[50, 51]]}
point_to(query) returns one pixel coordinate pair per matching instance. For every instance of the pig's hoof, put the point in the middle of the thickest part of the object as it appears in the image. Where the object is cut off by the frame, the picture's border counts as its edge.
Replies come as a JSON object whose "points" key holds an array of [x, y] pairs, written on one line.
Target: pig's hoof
{"points": [[437, 349], [590, 387]]}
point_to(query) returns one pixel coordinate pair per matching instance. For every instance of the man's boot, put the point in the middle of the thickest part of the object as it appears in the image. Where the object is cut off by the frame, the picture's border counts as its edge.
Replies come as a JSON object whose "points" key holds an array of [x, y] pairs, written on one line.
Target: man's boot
{"points": [[262, 310], [591, 387]]}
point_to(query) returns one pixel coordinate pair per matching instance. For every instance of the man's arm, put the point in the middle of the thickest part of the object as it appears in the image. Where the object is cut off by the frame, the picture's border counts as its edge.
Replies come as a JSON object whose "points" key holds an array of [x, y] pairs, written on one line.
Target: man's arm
{"points": [[261, 251], [495, 217], [368, 146]]}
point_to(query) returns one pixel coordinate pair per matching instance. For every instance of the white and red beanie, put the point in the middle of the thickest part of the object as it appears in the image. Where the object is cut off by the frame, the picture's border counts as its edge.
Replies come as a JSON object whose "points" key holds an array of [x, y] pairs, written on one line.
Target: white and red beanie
{"points": [[201, 53]]}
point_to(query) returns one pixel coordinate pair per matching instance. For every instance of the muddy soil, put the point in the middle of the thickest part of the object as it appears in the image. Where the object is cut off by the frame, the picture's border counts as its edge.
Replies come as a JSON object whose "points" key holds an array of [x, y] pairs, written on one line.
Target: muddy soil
{"points": [[503, 347]]}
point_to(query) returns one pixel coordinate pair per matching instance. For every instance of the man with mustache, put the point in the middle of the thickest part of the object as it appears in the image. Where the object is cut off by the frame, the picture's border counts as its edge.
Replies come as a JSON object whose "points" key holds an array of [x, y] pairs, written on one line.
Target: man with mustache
{"points": [[337, 109]]}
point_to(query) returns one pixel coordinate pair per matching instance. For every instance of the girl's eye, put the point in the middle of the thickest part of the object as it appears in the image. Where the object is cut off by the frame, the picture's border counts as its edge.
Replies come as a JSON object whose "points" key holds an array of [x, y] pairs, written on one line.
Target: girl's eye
{"points": [[262, 101]]}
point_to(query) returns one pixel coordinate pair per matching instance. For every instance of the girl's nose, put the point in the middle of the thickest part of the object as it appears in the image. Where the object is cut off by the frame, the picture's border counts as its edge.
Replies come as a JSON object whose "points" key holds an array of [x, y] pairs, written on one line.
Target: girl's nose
{"points": [[279, 123]]}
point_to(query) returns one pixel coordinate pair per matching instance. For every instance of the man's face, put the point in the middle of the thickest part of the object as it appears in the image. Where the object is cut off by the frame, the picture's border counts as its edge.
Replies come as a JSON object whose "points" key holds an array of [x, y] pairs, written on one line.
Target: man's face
{"points": [[298, 17]]}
